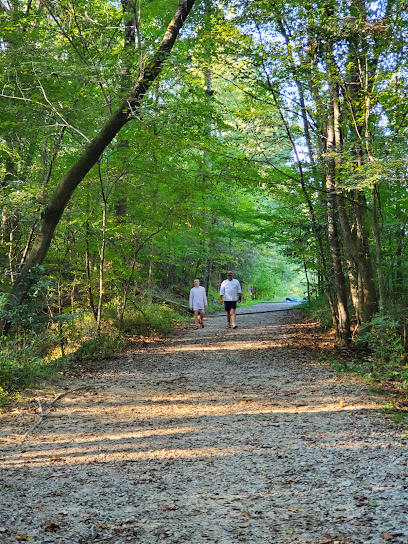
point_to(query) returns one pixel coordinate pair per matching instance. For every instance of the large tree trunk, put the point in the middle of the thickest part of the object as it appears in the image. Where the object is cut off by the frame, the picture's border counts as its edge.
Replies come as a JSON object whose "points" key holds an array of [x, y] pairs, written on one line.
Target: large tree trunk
{"points": [[90, 156], [343, 325], [356, 253]]}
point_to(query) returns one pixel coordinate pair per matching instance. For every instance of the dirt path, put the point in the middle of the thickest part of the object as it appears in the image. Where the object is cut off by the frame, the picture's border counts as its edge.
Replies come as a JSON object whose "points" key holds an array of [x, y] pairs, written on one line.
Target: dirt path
{"points": [[214, 436]]}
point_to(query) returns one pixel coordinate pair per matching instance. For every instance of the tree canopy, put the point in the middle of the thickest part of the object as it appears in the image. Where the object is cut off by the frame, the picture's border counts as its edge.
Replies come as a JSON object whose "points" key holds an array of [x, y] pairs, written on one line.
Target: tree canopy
{"points": [[147, 143]]}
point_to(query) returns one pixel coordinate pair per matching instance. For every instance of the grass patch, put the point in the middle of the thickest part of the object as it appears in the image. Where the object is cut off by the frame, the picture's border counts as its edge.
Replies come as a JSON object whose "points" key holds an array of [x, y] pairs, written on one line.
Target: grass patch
{"points": [[399, 415]]}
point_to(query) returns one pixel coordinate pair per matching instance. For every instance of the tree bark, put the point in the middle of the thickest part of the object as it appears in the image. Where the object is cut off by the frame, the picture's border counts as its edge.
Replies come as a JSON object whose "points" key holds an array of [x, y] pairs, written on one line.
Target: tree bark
{"points": [[378, 256], [343, 325]]}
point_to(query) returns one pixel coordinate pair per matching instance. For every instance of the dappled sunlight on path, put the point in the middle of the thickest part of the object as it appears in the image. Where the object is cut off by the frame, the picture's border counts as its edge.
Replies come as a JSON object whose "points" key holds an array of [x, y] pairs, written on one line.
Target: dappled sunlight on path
{"points": [[213, 436]]}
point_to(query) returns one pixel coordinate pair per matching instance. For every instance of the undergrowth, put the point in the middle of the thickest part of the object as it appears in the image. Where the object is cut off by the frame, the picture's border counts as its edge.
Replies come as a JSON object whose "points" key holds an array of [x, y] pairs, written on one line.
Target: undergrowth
{"points": [[318, 308], [34, 356], [377, 355]]}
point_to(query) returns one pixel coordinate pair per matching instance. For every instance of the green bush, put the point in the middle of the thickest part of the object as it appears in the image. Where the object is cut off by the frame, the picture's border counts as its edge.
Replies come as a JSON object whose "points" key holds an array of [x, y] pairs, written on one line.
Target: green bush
{"points": [[102, 346], [319, 309], [84, 342], [381, 336], [147, 319], [22, 364]]}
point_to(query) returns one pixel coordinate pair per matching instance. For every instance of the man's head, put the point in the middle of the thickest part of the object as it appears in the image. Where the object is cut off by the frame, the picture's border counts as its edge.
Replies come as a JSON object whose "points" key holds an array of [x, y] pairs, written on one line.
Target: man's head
{"points": [[196, 283], [229, 275]]}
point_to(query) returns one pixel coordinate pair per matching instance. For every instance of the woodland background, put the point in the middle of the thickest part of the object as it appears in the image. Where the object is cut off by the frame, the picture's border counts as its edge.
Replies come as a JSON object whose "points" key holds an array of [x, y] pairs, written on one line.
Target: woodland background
{"points": [[145, 143]]}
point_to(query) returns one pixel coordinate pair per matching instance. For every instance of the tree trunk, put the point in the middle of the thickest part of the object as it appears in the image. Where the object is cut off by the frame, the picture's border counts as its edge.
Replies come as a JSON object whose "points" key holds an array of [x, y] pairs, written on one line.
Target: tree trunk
{"points": [[355, 252], [151, 268], [102, 265], [354, 286], [343, 324], [88, 274], [378, 259]]}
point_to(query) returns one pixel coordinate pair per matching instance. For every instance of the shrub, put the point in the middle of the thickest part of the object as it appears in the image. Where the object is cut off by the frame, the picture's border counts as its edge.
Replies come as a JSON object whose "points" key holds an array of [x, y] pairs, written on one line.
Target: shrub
{"points": [[147, 319], [319, 309], [21, 363], [381, 335]]}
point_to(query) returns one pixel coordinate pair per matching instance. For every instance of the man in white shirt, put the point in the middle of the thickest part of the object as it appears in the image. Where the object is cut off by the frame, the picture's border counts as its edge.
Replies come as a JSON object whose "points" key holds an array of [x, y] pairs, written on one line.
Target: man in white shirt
{"points": [[231, 291], [198, 301]]}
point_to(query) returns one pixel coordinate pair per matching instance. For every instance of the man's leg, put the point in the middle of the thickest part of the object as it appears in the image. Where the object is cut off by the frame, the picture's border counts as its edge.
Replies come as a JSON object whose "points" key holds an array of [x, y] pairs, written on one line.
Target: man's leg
{"points": [[233, 318], [229, 318], [202, 319], [196, 318]]}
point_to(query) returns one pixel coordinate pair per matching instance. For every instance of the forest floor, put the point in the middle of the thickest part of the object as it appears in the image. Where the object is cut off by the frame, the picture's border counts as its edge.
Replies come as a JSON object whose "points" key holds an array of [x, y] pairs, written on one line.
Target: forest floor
{"points": [[211, 436]]}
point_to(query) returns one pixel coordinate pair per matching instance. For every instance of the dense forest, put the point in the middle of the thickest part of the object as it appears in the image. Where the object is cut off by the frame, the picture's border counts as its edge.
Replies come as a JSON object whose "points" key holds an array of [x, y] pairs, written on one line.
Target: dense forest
{"points": [[147, 143]]}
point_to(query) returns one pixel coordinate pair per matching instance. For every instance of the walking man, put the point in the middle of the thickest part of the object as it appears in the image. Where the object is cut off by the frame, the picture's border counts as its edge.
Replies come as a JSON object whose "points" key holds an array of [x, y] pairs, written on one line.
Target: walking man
{"points": [[231, 291], [198, 301]]}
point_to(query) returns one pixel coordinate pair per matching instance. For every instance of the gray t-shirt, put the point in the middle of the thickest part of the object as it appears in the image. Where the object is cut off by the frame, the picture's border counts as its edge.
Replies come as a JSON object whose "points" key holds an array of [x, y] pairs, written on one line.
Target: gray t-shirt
{"points": [[198, 298]]}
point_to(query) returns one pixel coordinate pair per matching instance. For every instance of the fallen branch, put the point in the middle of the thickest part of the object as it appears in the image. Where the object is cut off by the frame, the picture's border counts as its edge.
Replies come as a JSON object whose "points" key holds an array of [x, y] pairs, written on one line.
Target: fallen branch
{"points": [[171, 302]]}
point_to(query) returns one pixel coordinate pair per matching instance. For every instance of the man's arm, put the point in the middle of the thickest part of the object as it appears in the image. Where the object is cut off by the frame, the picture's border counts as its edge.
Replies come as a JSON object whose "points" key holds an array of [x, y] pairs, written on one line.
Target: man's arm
{"points": [[222, 291]]}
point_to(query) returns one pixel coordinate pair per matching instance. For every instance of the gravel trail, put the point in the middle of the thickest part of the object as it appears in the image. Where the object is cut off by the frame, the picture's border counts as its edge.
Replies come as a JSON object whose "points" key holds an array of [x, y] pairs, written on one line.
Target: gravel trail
{"points": [[212, 436]]}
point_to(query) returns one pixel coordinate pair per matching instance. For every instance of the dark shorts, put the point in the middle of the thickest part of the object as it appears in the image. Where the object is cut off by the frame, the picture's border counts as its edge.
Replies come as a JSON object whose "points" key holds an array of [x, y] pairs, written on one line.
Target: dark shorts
{"points": [[228, 304]]}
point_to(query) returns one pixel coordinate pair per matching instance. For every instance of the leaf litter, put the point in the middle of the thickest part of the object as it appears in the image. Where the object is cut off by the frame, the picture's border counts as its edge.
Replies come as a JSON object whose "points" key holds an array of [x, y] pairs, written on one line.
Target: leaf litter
{"points": [[212, 436]]}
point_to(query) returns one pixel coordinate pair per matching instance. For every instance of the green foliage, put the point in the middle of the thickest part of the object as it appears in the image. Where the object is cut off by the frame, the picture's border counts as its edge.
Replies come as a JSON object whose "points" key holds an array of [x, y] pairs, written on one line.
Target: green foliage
{"points": [[83, 342], [317, 307], [148, 319], [32, 315], [101, 346], [388, 358], [399, 415], [22, 362]]}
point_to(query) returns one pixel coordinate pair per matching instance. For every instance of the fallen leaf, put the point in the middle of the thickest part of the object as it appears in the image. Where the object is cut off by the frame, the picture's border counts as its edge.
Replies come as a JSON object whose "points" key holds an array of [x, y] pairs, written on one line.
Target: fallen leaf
{"points": [[166, 507], [22, 537], [387, 536], [51, 526]]}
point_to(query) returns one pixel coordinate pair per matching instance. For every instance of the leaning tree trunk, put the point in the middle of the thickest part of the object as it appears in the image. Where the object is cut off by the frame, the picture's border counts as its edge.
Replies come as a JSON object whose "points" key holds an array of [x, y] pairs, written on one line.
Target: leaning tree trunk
{"points": [[127, 111]]}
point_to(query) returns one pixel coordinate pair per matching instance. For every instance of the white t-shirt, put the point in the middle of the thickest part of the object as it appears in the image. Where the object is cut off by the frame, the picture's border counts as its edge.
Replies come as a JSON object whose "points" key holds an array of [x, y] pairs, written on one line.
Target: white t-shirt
{"points": [[230, 289], [198, 298]]}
